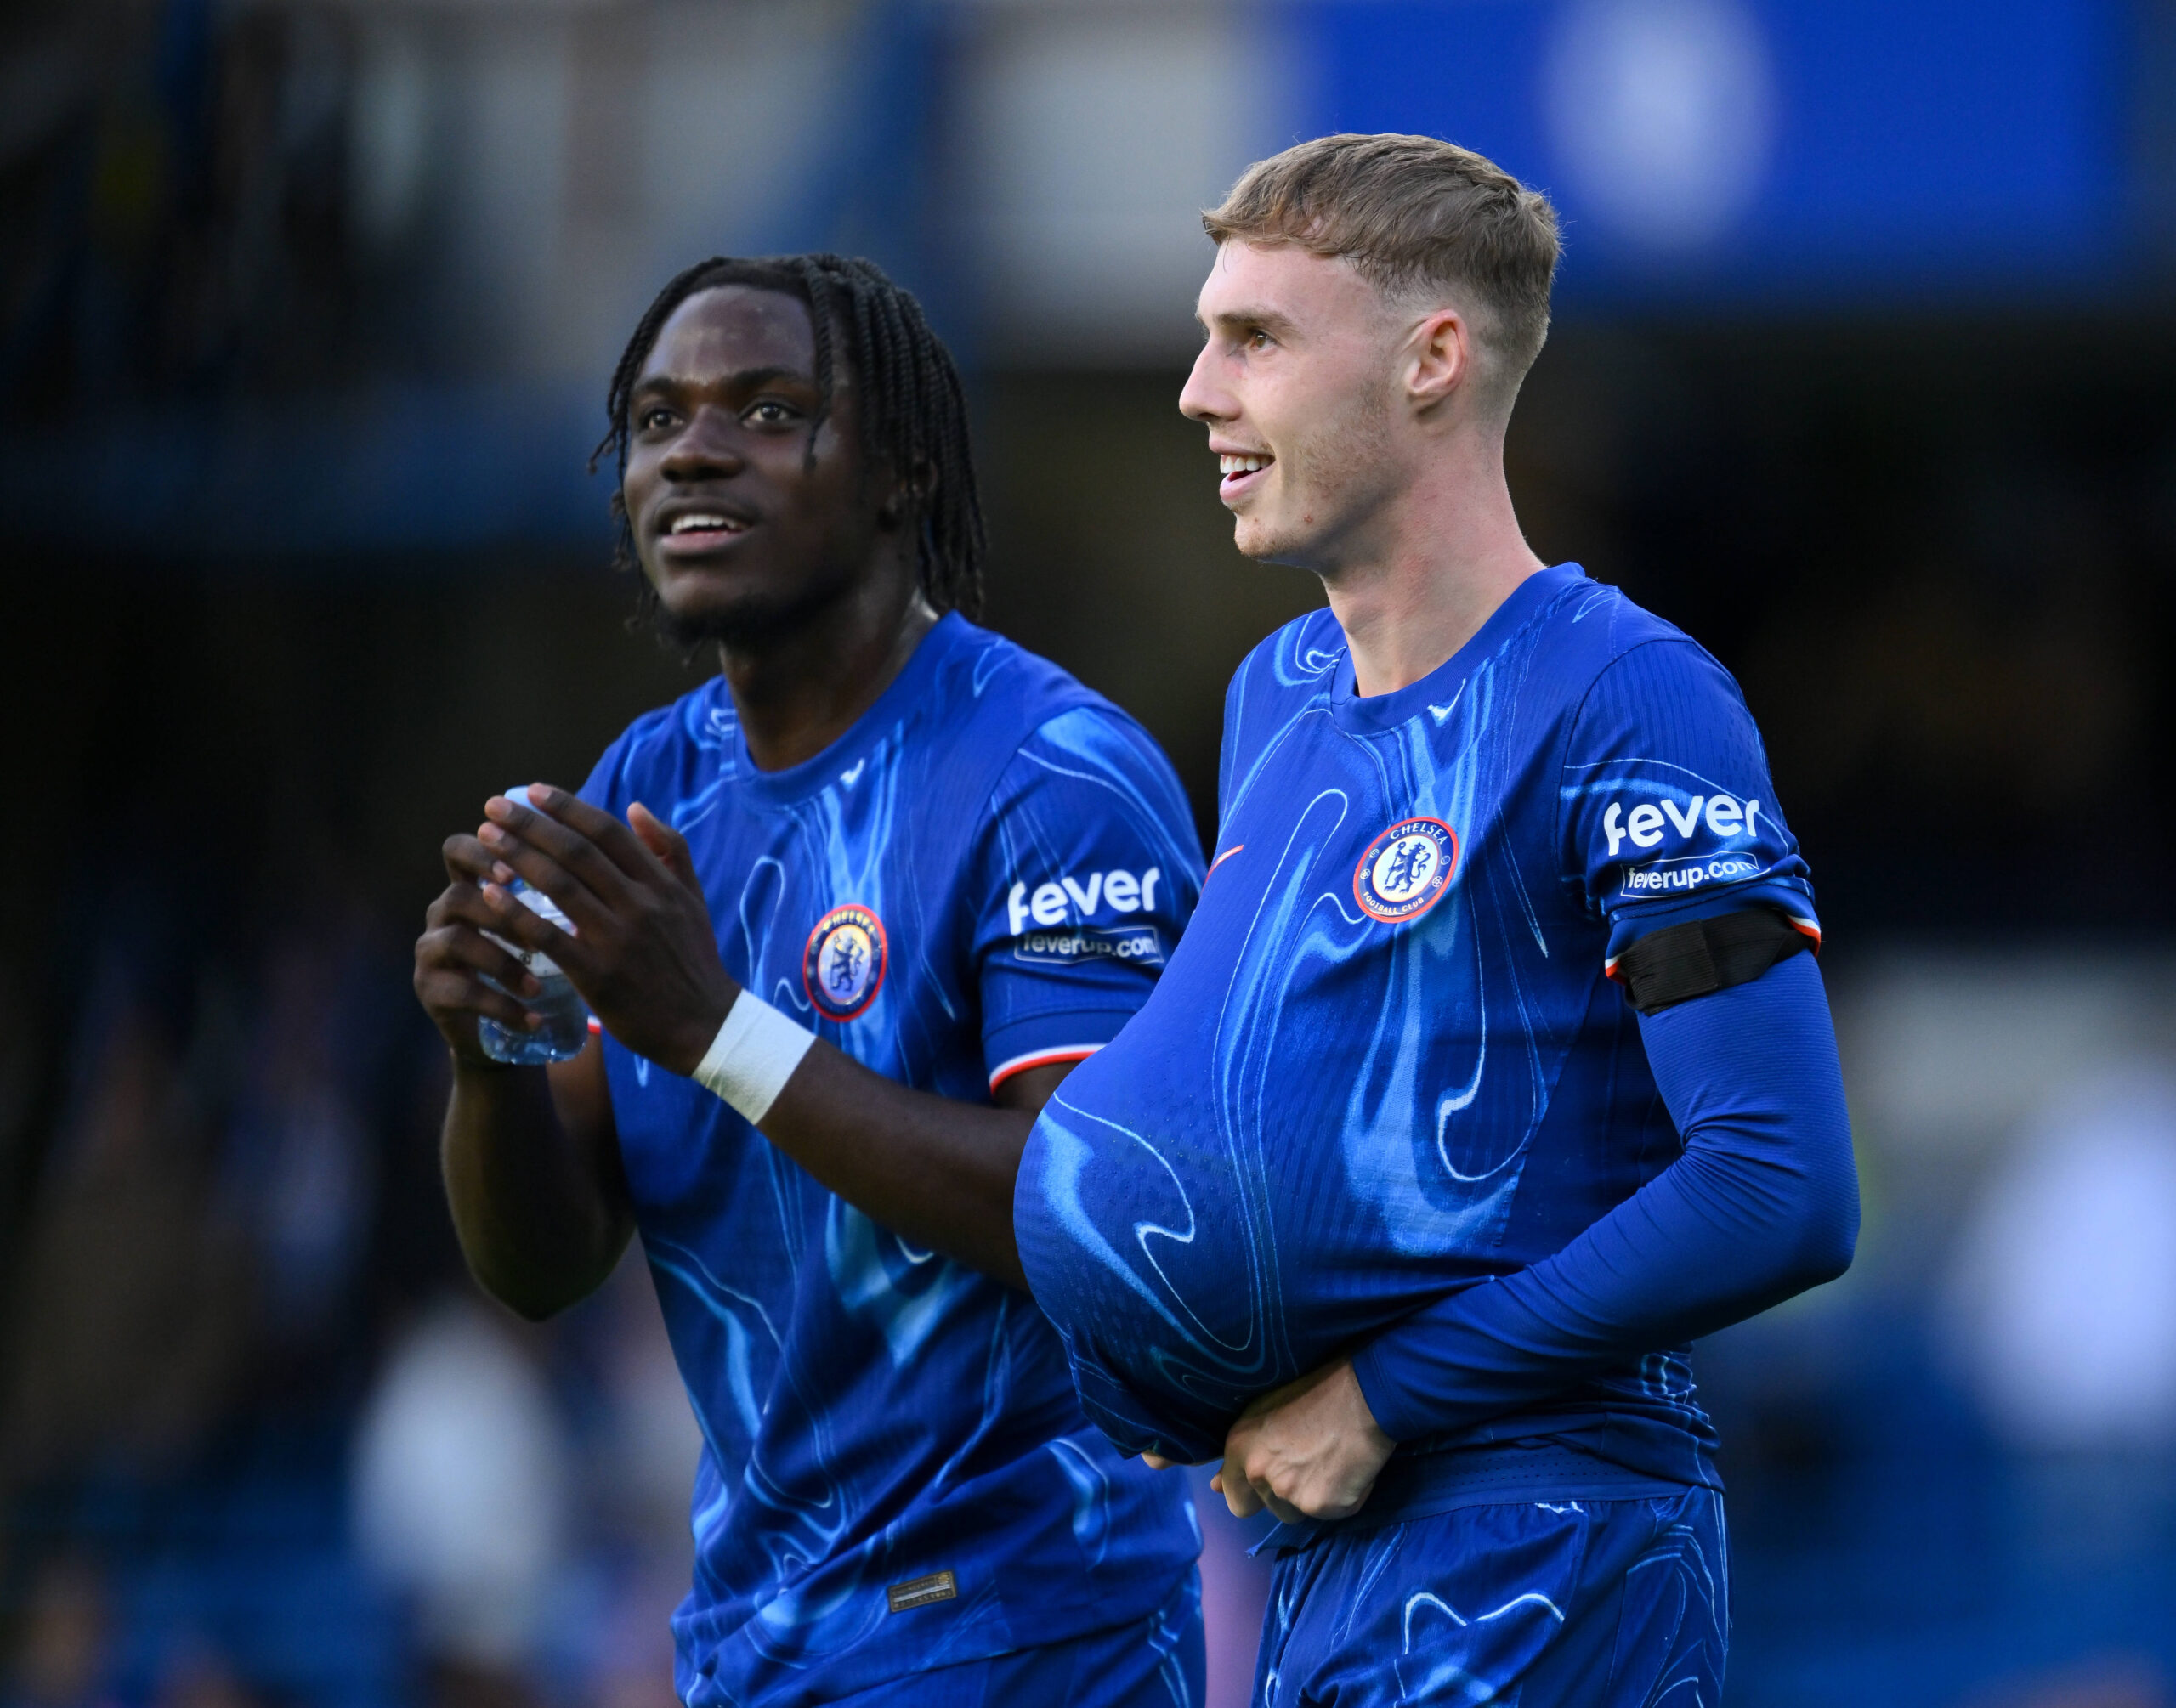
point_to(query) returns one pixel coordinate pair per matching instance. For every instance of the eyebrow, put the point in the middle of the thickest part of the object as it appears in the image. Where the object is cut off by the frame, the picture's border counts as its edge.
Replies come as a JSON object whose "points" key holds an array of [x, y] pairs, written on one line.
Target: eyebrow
{"points": [[741, 379], [1267, 319]]}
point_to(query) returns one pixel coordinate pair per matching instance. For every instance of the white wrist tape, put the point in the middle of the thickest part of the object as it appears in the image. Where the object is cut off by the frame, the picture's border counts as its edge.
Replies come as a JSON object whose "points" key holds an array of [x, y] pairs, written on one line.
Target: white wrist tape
{"points": [[752, 1057]]}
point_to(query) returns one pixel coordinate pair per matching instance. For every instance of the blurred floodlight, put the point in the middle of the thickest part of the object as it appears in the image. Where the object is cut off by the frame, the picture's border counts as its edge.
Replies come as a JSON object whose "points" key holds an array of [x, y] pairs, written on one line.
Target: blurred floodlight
{"points": [[1095, 137], [462, 1484], [1947, 1052], [2062, 1295], [390, 125], [1663, 113]]}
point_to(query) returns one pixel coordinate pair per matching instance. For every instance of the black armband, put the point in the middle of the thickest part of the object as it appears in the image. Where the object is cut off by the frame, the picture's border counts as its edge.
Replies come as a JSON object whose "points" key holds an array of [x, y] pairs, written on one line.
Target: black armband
{"points": [[1701, 956]]}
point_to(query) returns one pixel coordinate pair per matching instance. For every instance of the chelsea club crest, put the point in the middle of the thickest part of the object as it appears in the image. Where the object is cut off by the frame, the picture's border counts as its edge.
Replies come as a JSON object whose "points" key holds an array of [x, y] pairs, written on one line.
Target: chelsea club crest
{"points": [[843, 965], [1405, 869]]}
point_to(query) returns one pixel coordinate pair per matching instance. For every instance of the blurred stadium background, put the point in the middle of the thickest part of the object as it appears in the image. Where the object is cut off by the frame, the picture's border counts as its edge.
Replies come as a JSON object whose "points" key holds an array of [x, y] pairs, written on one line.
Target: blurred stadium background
{"points": [[1864, 370]]}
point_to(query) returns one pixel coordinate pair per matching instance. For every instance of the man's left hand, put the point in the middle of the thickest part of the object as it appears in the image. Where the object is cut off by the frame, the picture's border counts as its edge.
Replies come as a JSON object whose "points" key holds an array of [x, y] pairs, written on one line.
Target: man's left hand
{"points": [[1310, 1449]]}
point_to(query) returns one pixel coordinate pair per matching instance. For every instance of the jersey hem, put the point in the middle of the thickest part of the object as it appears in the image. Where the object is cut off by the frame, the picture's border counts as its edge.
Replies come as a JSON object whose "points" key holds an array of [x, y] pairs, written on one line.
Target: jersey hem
{"points": [[1010, 1630], [1426, 1484]]}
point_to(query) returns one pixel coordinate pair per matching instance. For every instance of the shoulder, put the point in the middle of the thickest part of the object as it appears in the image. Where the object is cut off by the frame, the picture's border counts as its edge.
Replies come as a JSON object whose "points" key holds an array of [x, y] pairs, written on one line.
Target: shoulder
{"points": [[1035, 724], [992, 698], [1650, 705], [694, 733], [1598, 649], [1094, 753], [1590, 625], [982, 678]]}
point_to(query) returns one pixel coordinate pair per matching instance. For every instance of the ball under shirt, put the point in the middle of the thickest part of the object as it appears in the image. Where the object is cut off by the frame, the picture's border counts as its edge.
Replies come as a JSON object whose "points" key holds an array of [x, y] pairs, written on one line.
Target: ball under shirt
{"points": [[1388, 1061]]}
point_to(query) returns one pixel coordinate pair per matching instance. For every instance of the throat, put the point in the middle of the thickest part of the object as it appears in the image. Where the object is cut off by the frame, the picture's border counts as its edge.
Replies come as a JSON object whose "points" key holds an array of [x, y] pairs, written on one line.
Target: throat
{"points": [[796, 694]]}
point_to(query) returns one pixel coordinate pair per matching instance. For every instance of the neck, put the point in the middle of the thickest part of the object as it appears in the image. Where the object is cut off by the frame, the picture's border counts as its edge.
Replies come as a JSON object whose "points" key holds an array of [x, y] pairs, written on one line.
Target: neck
{"points": [[798, 691], [1430, 568]]}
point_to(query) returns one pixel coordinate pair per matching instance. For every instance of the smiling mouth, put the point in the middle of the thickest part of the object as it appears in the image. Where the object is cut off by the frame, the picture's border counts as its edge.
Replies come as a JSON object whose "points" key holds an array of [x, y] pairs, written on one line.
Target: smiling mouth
{"points": [[1237, 468], [700, 529]]}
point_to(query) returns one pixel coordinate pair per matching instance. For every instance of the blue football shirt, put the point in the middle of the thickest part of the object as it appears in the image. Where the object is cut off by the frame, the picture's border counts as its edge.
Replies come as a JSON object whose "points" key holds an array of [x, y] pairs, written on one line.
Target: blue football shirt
{"points": [[986, 874], [1388, 1060]]}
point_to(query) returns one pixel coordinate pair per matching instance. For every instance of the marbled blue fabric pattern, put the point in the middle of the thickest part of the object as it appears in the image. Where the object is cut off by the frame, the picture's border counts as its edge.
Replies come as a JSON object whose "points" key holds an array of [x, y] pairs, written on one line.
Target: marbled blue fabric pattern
{"points": [[1537, 1604], [1388, 1062], [989, 867]]}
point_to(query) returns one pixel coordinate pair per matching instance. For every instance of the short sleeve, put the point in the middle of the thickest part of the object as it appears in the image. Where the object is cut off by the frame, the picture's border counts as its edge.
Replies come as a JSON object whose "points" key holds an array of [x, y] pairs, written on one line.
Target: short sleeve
{"points": [[670, 756], [1667, 813], [1085, 872]]}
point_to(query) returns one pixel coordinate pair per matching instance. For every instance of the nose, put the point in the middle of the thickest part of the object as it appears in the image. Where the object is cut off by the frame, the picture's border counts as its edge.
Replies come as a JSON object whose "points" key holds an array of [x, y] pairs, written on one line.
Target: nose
{"points": [[704, 449], [1202, 397]]}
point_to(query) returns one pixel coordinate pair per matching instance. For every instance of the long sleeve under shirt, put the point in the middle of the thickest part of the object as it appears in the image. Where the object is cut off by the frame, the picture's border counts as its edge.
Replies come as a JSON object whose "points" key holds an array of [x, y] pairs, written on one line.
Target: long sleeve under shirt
{"points": [[1762, 1204]]}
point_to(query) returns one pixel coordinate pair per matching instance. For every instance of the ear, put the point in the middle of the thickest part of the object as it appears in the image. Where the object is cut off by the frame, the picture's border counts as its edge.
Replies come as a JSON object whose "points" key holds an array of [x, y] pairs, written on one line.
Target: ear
{"points": [[909, 495], [1440, 359]]}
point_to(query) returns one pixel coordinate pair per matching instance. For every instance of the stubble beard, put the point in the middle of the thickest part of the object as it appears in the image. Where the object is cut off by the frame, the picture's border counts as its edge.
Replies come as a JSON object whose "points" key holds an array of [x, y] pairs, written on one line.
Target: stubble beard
{"points": [[1332, 476], [756, 619], [744, 625]]}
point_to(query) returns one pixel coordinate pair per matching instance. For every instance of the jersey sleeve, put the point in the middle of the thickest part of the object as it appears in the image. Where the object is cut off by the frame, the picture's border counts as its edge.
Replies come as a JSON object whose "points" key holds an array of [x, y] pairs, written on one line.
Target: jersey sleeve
{"points": [[1087, 869], [1762, 1204], [1667, 811]]}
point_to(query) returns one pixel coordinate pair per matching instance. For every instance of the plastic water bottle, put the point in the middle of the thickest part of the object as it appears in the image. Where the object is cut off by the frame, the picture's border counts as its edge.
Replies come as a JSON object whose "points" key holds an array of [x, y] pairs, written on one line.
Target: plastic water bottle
{"points": [[566, 1018]]}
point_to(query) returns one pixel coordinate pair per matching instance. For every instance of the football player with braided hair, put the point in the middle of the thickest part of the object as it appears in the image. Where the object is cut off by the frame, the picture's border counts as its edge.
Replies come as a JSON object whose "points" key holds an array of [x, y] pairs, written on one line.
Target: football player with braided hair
{"points": [[844, 915]]}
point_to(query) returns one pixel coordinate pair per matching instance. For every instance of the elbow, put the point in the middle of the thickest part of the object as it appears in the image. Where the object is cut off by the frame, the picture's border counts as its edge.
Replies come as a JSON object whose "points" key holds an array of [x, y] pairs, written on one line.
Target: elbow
{"points": [[533, 1308], [529, 1298], [1828, 1260], [1827, 1241], [1825, 1238]]}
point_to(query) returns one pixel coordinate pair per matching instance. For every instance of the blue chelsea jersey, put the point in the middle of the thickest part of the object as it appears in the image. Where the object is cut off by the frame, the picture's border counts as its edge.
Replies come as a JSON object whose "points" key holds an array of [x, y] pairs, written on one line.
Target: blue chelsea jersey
{"points": [[987, 873], [1388, 1060]]}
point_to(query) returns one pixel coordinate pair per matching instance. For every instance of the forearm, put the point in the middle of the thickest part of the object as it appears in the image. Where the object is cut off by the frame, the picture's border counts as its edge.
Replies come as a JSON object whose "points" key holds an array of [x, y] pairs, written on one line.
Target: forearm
{"points": [[540, 1216], [1763, 1204], [645, 959], [938, 1173]]}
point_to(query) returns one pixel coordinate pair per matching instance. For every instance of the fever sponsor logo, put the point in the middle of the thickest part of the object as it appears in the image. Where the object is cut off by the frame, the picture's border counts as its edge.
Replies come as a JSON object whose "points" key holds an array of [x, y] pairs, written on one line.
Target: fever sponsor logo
{"points": [[1646, 824], [843, 965], [1138, 944], [1115, 891], [1692, 872], [1405, 869]]}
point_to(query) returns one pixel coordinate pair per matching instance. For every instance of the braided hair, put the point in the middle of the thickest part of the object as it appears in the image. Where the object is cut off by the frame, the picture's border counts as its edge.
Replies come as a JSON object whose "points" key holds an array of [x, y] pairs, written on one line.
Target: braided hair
{"points": [[911, 411]]}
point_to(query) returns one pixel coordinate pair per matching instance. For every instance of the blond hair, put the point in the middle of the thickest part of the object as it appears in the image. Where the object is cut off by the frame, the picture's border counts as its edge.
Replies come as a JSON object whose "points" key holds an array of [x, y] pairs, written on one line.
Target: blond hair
{"points": [[1417, 218]]}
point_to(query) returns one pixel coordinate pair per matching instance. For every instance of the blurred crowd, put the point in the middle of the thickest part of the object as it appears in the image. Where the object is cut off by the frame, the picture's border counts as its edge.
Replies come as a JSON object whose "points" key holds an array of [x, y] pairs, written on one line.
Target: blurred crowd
{"points": [[175, 185], [260, 1439], [1953, 1474], [262, 1444]]}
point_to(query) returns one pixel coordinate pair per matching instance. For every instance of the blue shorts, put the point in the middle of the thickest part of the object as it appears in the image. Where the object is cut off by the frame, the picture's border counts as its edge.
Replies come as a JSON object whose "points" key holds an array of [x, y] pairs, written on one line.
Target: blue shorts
{"points": [[1574, 1605], [1156, 1662]]}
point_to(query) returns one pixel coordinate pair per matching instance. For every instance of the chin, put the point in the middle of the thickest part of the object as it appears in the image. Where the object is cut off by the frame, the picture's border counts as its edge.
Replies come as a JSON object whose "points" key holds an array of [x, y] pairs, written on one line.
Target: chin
{"points": [[1258, 540], [705, 613], [732, 623]]}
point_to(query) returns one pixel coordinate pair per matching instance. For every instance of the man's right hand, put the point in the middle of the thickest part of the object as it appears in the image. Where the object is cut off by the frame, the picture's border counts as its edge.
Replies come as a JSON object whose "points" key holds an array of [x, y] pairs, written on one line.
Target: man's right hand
{"points": [[453, 958], [530, 1157]]}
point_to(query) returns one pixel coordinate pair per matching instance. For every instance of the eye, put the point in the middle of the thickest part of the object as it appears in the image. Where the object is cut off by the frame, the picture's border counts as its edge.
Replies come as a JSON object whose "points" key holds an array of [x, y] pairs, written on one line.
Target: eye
{"points": [[653, 418], [1257, 340], [770, 412]]}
